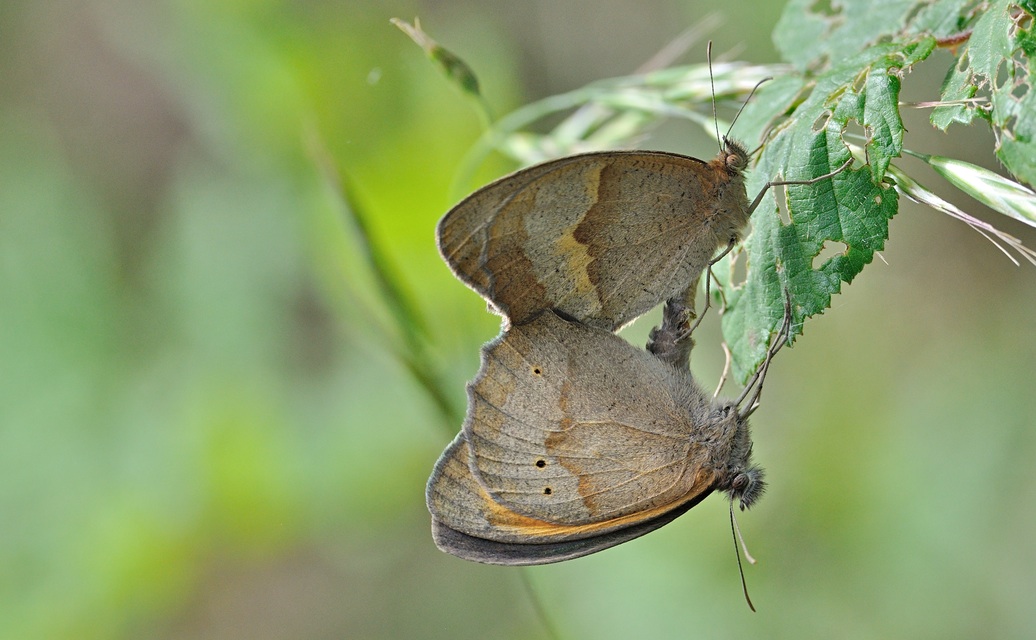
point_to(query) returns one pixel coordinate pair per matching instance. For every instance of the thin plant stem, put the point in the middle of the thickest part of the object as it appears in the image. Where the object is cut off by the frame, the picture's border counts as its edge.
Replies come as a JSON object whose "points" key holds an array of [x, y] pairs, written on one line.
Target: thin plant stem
{"points": [[537, 605], [413, 353]]}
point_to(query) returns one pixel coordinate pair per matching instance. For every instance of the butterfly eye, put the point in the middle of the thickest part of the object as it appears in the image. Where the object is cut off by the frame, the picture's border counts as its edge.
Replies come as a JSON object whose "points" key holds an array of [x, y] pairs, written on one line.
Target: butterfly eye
{"points": [[748, 486], [739, 483]]}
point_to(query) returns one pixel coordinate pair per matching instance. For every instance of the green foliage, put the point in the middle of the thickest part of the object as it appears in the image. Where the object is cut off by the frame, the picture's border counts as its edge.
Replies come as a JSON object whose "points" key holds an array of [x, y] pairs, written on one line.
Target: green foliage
{"points": [[996, 64], [212, 412], [864, 87], [810, 34], [853, 208], [848, 60], [449, 63], [991, 189]]}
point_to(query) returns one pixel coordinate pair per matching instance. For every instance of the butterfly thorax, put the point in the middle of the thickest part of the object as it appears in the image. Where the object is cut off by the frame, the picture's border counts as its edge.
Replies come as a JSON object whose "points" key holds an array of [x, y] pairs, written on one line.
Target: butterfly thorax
{"points": [[731, 449], [728, 204]]}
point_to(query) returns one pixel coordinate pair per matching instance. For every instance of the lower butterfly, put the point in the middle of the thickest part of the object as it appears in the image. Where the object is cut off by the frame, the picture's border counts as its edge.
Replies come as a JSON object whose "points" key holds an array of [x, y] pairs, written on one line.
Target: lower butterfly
{"points": [[576, 441]]}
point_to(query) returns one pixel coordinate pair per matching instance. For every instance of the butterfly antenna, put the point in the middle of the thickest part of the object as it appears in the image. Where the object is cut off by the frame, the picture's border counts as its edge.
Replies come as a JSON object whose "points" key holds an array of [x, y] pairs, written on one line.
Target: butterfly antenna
{"points": [[712, 83], [743, 105], [764, 138], [735, 533]]}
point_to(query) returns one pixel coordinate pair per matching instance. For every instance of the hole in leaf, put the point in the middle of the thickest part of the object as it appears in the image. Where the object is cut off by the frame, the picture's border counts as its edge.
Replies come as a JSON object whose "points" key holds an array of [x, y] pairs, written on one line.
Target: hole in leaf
{"points": [[913, 12], [831, 249], [537, 371], [1020, 64], [825, 8], [1002, 76], [1021, 19], [855, 130], [1019, 90], [738, 274], [780, 194], [1008, 127], [859, 82], [541, 463], [821, 122], [547, 491]]}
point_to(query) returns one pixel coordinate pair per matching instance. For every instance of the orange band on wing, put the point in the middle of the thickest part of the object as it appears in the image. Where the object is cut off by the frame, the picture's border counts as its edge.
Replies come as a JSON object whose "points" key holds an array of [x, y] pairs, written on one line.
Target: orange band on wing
{"points": [[514, 524]]}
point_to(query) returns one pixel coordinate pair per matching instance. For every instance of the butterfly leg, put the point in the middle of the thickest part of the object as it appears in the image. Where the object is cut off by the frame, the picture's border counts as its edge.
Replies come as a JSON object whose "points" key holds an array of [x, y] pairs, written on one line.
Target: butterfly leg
{"points": [[759, 376], [708, 289], [671, 341], [726, 370], [781, 183]]}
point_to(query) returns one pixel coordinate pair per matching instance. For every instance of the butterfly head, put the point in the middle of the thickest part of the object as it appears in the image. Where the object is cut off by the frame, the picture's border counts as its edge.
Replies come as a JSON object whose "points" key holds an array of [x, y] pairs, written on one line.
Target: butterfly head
{"points": [[747, 486], [735, 157]]}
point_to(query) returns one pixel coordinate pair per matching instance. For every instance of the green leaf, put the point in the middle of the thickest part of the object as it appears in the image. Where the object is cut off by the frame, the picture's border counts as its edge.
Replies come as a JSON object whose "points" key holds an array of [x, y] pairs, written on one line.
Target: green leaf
{"points": [[957, 86], [773, 99], [881, 117], [852, 208], [800, 34], [991, 189], [989, 44], [941, 18], [809, 30], [998, 63]]}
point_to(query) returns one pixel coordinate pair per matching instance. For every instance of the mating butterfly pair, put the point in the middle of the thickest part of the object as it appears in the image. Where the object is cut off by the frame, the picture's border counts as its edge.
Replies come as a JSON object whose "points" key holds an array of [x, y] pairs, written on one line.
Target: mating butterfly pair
{"points": [[575, 440]]}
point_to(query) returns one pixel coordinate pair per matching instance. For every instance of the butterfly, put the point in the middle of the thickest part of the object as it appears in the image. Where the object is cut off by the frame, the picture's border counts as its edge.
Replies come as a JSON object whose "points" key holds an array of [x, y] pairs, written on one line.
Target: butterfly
{"points": [[576, 441], [598, 237]]}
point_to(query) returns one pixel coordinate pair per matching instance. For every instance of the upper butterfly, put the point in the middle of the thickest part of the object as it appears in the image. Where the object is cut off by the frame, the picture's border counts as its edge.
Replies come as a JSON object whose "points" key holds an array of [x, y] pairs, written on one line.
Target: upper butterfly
{"points": [[599, 237]]}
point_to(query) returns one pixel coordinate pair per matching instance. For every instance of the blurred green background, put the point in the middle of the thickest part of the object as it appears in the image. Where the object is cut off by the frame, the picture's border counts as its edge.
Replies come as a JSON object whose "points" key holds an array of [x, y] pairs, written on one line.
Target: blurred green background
{"points": [[204, 432]]}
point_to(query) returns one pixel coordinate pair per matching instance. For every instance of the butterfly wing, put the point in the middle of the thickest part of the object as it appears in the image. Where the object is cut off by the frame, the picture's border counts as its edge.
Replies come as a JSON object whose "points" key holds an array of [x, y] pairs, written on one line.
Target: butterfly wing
{"points": [[576, 427], [603, 425], [466, 520], [601, 237]]}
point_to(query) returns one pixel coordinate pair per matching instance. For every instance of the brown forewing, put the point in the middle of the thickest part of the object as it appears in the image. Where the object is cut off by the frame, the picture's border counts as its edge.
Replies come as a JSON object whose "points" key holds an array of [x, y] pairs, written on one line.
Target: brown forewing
{"points": [[601, 237], [574, 425]]}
